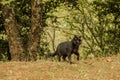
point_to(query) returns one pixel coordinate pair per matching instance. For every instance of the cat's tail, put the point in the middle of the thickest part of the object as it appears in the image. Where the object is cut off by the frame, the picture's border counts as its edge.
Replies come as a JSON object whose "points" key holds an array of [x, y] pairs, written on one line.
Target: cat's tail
{"points": [[53, 54], [49, 54]]}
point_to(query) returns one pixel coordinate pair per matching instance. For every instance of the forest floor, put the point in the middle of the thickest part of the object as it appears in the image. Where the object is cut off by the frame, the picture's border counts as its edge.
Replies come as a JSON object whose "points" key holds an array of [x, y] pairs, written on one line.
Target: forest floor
{"points": [[93, 69]]}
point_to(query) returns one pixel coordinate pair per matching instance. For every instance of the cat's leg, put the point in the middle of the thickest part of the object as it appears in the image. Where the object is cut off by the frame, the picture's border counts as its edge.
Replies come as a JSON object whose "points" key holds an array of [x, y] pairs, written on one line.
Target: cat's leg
{"points": [[78, 55], [64, 57], [59, 57], [69, 58]]}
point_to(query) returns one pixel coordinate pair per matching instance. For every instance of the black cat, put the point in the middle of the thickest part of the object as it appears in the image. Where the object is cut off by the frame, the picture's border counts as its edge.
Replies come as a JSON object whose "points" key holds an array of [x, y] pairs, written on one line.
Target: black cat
{"points": [[66, 49]]}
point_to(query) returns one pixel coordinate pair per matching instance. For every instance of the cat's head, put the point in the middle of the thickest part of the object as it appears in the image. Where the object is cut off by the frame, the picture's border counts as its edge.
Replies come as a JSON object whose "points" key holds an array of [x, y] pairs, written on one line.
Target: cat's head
{"points": [[76, 40]]}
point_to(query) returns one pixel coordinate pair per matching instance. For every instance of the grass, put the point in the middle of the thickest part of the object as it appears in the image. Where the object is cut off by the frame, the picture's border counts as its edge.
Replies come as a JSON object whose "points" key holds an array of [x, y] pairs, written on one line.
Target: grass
{"points": [[95, 69]]}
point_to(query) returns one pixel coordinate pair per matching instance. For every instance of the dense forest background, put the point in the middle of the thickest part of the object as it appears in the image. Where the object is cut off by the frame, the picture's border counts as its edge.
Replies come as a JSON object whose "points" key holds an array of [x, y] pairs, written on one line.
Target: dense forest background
{"points": [[31, 28]]}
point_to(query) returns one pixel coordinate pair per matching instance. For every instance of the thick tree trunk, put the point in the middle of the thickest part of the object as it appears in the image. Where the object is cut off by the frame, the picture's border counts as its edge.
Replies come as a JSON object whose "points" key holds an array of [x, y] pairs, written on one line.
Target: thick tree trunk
{"points": [[15, 44], [34, 37]]}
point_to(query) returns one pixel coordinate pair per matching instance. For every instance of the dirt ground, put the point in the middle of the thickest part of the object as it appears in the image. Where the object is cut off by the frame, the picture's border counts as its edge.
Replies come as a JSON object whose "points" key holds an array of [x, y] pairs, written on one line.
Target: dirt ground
{"points": [[93, 69]]}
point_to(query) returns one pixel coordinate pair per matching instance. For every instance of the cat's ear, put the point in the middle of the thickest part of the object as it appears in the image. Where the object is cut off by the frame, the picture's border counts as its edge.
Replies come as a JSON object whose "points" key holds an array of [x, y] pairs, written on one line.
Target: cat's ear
{"points": [[77, 36]]}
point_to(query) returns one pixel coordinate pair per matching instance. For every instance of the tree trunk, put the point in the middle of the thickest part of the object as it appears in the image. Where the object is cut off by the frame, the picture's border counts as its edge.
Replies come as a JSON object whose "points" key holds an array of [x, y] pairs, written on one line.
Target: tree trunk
{"points": [[15, 44], [35, 32]]}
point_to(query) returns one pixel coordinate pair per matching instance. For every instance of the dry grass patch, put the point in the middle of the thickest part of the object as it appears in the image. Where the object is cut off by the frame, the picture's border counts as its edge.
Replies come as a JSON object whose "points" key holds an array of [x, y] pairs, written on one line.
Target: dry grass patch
{"points": [[95, 69]]}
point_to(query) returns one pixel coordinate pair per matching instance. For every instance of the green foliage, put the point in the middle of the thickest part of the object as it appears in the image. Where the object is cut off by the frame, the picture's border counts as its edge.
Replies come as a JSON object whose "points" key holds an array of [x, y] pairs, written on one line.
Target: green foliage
{"points": [[4, 48], [1, 21], [109, 25], [98, 23], [22, 15], [51, 5], [4, 2], [44, 46], [22, 9]]}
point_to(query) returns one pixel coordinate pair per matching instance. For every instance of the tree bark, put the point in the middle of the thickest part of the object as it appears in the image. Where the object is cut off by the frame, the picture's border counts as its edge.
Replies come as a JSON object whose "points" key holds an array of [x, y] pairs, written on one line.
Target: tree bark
{"points": [[15, 43], [35, 32]]}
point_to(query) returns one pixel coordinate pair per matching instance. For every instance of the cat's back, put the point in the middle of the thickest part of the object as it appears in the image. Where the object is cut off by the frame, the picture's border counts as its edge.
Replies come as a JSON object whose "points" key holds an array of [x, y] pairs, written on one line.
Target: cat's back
{"points": [[65, 44]]}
